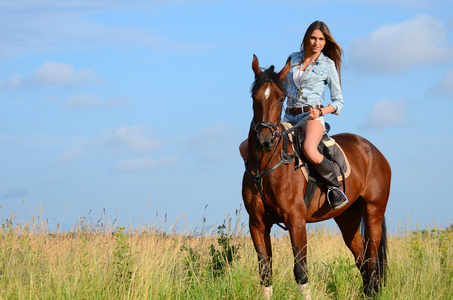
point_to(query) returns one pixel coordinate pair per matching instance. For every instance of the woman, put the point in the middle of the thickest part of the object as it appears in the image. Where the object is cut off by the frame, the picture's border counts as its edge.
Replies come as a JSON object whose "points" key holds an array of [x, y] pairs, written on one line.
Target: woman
{"points": [[315, 66]]}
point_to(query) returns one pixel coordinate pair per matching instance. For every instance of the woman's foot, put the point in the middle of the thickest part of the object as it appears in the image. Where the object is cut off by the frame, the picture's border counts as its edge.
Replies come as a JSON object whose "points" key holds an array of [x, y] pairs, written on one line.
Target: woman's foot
{"points": [[336, 198]]}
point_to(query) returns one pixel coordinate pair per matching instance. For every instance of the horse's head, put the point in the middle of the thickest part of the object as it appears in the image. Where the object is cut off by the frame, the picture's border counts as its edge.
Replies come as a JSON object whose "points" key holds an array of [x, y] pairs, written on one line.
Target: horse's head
{"points": [[268, 94]]}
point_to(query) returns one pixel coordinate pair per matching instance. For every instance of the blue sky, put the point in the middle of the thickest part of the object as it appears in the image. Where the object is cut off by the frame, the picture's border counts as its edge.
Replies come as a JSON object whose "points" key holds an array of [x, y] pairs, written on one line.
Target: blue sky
{"points": [[133, 109]]}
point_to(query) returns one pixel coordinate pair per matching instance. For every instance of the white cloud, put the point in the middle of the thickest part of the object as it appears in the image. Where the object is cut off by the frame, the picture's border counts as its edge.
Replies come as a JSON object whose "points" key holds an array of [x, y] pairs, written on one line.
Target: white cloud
{"points": [[423, 4], [387, 113], [214, 143], [445, 86], [80, 102], [85, 102], [49, 26], [33, 141], [136, 138], [14, 82], [398, 47], [69, 156], [145, 164], [62, 75], [54, 74], [124, 141], [86, 5]]}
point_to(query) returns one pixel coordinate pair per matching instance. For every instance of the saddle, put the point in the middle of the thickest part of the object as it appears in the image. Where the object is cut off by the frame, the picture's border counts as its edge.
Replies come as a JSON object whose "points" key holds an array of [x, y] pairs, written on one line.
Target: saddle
{"points": [[327, 147]]}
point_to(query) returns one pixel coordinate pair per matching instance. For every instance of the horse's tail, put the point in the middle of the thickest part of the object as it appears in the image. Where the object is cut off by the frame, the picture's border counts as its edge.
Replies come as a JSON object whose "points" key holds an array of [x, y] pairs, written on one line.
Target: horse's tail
{"points": [[382, 252]]}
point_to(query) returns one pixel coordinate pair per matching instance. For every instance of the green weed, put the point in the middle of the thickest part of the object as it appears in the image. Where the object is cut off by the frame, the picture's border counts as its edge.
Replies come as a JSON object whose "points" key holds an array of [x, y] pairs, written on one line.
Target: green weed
{"points": [[122, 259]]}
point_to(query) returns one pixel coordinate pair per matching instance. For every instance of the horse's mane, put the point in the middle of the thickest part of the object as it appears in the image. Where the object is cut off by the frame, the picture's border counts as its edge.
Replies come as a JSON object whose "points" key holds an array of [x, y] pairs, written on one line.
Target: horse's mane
{"points": [[267, 75]]}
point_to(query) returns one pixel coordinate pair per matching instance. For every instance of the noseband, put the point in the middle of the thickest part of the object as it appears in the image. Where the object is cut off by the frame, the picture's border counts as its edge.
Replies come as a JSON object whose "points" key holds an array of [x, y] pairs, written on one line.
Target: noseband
{"points": [[273, 128], [257, 127]]}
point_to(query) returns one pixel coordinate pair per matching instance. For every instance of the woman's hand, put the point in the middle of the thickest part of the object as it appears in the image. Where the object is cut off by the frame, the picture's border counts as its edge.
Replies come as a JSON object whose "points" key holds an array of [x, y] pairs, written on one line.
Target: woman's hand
{"points": [[315, 113], [318, 112]]}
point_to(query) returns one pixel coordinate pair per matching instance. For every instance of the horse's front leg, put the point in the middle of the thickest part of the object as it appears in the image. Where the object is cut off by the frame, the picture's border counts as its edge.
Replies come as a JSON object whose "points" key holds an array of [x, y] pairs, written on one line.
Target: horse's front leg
{"points": [[298, 234], [260, 233]]}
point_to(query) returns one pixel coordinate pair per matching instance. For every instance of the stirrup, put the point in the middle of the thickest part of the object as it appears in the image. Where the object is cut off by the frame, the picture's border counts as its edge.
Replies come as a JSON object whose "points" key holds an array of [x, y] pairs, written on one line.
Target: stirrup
{"points": [[345, 199]]}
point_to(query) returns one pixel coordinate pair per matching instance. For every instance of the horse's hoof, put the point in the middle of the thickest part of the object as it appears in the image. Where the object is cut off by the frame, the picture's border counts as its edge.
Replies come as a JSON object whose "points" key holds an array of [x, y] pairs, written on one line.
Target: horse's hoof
{"points": [[305, 291], [267, 292]]}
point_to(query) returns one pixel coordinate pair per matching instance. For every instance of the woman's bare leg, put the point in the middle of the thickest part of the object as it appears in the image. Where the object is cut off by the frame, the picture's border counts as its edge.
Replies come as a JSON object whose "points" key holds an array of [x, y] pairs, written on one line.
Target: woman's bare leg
{"points": [[313, 133]]}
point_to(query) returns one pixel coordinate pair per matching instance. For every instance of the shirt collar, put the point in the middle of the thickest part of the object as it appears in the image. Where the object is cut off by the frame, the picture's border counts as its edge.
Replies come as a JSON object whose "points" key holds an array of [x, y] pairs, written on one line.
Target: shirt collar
{"points": [[320, 58]]}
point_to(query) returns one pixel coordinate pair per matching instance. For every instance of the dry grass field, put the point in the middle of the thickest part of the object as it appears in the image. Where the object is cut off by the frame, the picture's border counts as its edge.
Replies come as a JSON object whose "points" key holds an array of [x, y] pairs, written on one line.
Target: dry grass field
{"points": [[105, 262]]}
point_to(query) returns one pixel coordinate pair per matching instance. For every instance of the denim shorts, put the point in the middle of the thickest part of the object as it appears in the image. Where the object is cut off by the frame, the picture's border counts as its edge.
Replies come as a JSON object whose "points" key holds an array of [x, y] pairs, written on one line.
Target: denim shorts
{"points": [[296, 119]]}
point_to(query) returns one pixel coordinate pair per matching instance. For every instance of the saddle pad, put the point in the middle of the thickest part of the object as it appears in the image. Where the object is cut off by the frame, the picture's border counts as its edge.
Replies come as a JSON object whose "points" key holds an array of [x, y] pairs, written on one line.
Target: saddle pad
{"points": [[336, 151]]}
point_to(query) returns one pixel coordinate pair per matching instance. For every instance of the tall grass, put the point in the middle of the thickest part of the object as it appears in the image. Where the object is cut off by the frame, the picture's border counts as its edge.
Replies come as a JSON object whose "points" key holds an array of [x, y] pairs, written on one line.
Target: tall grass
{"points": [[102, 261]]}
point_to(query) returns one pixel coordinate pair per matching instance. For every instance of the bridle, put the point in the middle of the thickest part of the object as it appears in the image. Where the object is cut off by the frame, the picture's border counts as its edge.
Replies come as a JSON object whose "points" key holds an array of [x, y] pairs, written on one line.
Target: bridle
{"points": [[257, 127], [273, 128], [286, 158], [276, 134], [269, 125]]}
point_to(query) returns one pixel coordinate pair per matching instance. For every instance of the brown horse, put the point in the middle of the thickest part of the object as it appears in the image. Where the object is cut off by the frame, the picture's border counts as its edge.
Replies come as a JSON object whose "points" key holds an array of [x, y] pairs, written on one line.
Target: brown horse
{"points": [[273, 191]]}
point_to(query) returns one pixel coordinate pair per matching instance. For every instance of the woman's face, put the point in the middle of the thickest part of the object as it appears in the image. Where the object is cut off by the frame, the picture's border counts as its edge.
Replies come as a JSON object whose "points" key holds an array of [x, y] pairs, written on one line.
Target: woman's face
{"points": [[317, 41]]}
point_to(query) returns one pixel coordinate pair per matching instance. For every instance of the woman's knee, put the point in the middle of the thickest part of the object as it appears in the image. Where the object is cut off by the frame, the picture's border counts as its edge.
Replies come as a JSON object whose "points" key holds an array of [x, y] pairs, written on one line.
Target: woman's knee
{"points": [[309, 150], [312, 154]]}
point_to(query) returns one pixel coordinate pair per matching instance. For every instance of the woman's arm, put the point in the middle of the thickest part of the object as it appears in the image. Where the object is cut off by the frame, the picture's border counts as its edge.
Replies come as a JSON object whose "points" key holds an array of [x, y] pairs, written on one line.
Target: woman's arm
{"points": [[333, 81]]}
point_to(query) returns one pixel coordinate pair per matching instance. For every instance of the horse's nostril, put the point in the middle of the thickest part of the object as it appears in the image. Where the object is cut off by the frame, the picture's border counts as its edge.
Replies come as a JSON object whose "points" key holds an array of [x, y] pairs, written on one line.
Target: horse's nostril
{"points": [[269, 144], [266, 144]]}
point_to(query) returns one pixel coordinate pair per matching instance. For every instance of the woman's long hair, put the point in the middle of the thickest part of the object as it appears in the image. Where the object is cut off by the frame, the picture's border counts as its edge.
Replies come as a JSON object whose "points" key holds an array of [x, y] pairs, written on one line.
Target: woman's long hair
{"points": [[331, 49]]}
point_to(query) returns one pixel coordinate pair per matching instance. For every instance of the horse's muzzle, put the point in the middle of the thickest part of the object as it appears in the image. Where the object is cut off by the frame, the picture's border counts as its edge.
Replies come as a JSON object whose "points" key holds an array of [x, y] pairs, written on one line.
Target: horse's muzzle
{"points": [[266, 143], [265, 133]]}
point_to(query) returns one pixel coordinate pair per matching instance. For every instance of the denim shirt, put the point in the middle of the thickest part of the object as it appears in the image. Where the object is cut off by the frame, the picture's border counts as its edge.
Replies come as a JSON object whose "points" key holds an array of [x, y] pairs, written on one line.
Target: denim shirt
{"points": [[318, 74]]}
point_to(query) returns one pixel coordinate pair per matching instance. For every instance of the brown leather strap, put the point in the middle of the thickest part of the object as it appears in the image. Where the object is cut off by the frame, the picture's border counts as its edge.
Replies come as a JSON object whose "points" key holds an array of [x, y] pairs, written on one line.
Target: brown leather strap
{"points": [[294, 111]]}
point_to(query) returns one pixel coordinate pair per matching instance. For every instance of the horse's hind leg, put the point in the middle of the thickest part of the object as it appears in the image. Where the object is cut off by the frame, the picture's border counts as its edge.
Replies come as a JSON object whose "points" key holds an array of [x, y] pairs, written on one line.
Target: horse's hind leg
{"points": [[375, 197], [349, 224], [376, 247]]}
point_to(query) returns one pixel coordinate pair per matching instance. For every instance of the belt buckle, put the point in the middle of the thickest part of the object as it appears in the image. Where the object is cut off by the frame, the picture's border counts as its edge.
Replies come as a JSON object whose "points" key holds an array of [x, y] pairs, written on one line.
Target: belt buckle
{"points": [[296, 111]]}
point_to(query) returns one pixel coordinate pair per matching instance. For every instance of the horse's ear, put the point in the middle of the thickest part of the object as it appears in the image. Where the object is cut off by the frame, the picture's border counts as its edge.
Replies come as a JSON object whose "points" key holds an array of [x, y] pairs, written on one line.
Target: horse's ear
{"points": [[256, 66], [282, 74]]}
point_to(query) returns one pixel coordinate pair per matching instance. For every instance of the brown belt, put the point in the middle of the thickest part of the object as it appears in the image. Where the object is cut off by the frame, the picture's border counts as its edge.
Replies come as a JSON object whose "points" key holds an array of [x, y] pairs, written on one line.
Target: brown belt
{"points": [[294, 111]]}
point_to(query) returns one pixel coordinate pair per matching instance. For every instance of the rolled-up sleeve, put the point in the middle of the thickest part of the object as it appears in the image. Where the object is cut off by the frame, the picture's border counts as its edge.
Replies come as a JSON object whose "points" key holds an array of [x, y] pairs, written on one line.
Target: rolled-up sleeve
{"points": [[336, 96]]}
